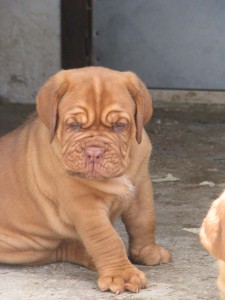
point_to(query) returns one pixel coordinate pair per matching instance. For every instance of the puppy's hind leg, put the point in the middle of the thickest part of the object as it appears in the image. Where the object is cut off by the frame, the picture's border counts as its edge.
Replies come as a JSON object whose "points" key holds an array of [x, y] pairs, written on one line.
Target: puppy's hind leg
{"points": [[26, 257], [67, 251], [74, 252], [139, 220]]}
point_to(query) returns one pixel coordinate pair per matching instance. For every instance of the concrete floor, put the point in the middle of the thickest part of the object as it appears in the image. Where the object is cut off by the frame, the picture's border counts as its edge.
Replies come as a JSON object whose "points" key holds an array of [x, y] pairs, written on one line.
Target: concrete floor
{"points": [[188, 142]]}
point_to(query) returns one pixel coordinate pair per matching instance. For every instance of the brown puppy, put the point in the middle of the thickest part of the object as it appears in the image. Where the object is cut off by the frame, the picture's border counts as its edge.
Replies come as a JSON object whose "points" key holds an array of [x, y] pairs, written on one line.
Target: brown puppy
{"points": [[67, 174], [212, 236]]}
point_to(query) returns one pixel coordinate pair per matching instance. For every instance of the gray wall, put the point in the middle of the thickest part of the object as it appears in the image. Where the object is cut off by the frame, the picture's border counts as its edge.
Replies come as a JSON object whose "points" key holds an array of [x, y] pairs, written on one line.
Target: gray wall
{"points": [[171, 44], [29, 47]]}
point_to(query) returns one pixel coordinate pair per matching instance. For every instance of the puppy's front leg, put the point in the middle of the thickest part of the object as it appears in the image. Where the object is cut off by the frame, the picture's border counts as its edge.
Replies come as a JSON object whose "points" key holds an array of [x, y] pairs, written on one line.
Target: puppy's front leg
{"points": [[139, 220], [103, 244]]}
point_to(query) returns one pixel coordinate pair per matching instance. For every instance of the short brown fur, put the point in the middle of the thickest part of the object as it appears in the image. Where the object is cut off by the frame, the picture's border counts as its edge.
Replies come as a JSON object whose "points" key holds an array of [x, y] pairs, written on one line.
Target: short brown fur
{"points": [[68, 173], [212, 236]]}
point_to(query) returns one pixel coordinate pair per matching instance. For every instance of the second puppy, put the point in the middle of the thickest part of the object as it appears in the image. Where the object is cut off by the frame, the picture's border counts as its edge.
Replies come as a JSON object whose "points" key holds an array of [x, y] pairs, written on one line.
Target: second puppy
{"points": [[212, 236]]}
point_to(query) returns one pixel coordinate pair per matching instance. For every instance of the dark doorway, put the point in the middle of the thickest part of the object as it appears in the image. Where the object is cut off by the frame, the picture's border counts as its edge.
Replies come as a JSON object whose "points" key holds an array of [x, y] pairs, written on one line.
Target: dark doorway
{"points": [[75, 33]]}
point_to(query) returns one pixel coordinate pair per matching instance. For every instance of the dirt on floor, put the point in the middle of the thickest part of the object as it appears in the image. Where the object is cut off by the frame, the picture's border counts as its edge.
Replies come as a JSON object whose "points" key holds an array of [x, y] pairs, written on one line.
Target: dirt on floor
{"points": [[188, 143]]}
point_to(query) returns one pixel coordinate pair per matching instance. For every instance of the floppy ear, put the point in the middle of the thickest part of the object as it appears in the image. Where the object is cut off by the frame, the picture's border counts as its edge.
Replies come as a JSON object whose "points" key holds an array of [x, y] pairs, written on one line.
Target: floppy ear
{"points": [[143, 102], [48, 99], [212, 232]]}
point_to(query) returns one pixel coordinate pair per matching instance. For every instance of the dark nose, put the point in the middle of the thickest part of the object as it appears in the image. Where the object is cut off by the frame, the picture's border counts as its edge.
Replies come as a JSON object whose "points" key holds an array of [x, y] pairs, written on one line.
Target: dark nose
{"points": [[94, 153]]}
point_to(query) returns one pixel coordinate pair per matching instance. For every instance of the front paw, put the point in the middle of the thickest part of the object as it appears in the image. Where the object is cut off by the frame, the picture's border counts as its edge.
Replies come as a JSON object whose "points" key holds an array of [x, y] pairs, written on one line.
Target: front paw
{"points": [[151, 255], [117, 281]]}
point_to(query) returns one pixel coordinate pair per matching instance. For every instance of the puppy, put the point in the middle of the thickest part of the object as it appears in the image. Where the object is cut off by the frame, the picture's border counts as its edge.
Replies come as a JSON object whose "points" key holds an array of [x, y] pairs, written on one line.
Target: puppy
{"points": [[212, 236], [69, 172]]}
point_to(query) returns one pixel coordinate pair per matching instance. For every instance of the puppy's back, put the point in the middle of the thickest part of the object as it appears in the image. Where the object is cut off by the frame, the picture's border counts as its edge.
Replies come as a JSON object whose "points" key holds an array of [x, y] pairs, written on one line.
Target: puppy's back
{"points": [[14, 156]]}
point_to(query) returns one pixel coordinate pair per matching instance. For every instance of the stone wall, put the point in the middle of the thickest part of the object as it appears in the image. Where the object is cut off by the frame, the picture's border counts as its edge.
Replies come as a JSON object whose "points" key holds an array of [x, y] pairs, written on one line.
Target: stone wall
{"points": [[29, 47]]}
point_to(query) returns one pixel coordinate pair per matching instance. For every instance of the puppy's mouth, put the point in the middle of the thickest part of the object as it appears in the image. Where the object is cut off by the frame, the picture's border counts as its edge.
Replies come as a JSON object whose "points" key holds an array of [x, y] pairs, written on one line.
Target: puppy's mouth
{"points": [[93, 162], [92, 170], [93, 175]]}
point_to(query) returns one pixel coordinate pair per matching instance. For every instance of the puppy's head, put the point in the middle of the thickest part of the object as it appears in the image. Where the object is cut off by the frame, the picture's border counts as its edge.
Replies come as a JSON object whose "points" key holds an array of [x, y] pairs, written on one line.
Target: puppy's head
{"points": [[95, 114], [212, 232]]}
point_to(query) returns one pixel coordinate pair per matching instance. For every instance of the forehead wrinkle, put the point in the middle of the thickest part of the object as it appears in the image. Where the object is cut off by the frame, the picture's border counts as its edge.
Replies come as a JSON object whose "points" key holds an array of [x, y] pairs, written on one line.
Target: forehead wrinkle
{"points": [[98, 96], [80, 99], [116, 93], [116, 100]]}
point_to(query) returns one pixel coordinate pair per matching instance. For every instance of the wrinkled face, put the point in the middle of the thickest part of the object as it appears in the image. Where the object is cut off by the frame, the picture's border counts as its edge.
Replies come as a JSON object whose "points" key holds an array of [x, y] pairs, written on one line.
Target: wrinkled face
{"points": [[96, 128], [96, 114]]}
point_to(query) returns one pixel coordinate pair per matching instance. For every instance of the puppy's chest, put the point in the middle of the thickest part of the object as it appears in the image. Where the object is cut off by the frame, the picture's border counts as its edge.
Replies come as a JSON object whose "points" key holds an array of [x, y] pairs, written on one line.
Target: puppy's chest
{"points": [[117, 207], [119, 197]]}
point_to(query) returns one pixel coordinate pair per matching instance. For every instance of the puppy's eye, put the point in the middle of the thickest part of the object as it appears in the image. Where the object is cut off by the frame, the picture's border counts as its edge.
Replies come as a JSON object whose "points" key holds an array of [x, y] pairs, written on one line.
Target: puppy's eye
{"points": [[74, 126], [119, 126]]}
